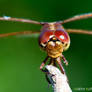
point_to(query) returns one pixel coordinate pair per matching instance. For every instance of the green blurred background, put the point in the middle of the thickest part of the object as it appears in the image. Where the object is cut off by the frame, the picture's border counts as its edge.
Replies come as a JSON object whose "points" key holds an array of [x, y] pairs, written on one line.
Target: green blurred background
{"points": [[20, 57]]}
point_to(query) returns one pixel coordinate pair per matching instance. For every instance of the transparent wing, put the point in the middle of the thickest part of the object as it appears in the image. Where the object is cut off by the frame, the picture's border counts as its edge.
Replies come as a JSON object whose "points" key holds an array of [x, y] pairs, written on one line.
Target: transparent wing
{"points": [[19, 33], [77, 17], [79, 31], [6, 18]]}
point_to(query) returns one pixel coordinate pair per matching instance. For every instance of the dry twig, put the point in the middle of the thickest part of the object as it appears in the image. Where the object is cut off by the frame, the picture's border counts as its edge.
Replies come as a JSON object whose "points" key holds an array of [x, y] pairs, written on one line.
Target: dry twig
{"points": [[57, 79]]}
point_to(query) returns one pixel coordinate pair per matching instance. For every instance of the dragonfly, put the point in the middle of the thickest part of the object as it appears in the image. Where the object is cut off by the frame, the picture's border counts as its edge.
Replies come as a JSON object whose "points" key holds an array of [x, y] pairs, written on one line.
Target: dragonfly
{"points": [[53, 37]]}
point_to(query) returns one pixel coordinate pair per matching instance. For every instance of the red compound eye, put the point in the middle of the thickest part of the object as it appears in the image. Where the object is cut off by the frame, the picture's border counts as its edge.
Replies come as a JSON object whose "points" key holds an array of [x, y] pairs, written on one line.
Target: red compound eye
{"points": [[45, 36], [62, 35]]}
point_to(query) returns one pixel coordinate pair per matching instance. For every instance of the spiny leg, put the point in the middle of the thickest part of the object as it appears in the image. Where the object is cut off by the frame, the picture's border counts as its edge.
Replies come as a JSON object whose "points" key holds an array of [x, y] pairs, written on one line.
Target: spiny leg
{"points": [[79, 31], [77, 17], [18, 33], [52, 62], [43, 63], [60, 65], [64, 59]]}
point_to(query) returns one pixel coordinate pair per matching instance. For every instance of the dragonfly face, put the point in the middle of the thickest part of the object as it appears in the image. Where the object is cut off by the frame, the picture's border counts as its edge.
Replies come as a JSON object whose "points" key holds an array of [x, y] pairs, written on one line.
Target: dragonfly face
{"points": [[53, 39]]}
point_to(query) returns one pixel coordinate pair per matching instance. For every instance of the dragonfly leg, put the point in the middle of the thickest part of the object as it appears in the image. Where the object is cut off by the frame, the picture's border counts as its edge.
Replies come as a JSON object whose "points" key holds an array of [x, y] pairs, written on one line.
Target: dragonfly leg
{"points": [[52, 62], [43, 63], [60, 65], [64, 59]]}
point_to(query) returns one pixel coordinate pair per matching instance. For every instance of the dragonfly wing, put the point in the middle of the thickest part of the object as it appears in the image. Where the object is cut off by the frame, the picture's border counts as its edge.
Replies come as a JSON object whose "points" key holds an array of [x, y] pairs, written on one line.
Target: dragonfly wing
{"points": [[24, 33], [79, 31]]}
